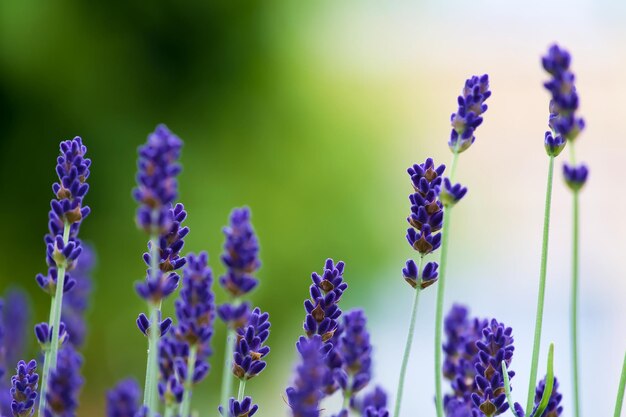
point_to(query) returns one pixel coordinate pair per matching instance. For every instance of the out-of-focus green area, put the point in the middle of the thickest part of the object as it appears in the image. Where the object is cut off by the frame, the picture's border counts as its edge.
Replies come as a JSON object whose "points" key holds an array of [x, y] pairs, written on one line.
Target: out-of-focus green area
{"points": [[264, 125]]}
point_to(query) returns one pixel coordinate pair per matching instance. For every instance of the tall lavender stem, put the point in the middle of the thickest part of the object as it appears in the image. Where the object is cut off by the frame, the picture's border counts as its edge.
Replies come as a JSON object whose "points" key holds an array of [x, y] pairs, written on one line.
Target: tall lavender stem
{"points": [[620, 391], [150, 396]]}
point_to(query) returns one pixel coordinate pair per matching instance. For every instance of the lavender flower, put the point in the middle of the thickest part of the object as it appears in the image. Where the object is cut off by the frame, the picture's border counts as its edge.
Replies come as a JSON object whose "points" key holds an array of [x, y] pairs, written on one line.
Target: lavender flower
{"points": [[123, 399], [564, 103], [468, 117], [75, 302], [376, 399], [575, 176], [373, 412], [171, 391], [250, 349], [24, 389], [65, 384], [426, 207], [423, 241], [43, 332], [554, 144], [143, 323], [236, 408], [171, 354], [495, 346], [322, 309], [15, 319], [67, 211], [412, 277], [235, 316], [355, 350], [157, 187], [451, 194], [305, 395]]}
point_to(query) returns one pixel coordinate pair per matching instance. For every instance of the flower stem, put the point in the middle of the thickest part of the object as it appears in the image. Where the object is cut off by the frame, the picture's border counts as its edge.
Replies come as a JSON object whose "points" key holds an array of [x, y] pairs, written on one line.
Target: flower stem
{"points": [[542, 288], [150, 397], [620, 391], [242, 389], [507, 388], [54, 322], [185, 406], [227, 371], [574, 304], [409, 342]]}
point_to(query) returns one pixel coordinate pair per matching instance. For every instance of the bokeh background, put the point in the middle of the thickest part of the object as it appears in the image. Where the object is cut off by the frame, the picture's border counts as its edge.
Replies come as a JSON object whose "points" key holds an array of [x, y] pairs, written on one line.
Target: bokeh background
{"points": [[310, 112]]}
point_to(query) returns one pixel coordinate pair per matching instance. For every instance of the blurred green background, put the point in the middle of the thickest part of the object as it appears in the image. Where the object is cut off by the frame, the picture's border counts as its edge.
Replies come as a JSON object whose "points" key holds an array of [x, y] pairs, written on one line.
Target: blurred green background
{"points": [[309, 113]]}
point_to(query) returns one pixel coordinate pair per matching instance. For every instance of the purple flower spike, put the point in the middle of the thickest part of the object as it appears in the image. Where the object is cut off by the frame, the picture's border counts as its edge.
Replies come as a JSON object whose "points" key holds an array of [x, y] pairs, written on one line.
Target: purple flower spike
{"points": [[241, 254], [250, 349], [451, 194], [468, 117], [24, 389], [495, 346], [123, 399], [554, 408], [428, 278], [143, 323], [423, 241], [575, 176], [356, 351], [66, 210], [322, 309], [426, 172], [76, 302], [14, 319], [426, 207], [306, 393], [65, 384], [157, 187], [564, 103], [244, 408]]}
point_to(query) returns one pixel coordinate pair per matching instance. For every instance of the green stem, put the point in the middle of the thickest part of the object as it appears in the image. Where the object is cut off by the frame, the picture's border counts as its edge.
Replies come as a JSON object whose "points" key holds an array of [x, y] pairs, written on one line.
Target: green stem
{"points": [[620, 391], [547, 391], [185, 406], [440, 298], [54, 322], [242, 389], [574, 305], [169, 411], [542, 288], [507, 388], [409, 341], [151, 395], [227, 371]]}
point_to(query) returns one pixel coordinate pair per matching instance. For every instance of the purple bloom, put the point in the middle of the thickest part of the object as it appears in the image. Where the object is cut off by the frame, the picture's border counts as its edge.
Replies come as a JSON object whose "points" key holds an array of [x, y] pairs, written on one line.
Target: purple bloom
{"points": [[75, 302], [554, 144], [322, 309], [241, 254], [24, 389], [495, 346], [373, 412], [250, 349], [376, 399], [143, 323], [451, 194], [422, 240], [355, 350], [43, 332], [426, 207], [14, 319], [428, 278], [564, 102], [306, 393], [123, 400], [66, 210], [65, 384], [157, 187], [468, 117], [235, 316], [171, 390], [244, 408], [575, 175], [172, 356]]}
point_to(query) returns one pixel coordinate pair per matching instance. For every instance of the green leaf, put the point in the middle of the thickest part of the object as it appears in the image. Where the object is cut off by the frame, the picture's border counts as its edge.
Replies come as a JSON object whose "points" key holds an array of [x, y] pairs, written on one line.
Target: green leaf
{"points": [[547, 392]]}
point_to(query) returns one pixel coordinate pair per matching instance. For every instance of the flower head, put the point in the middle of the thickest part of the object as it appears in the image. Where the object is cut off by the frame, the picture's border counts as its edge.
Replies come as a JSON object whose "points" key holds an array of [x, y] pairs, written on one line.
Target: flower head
{"points": [[243, 408], [377, 398], [123, 399], [355, 350], [575, 176], [14, 321], [426, 207], [306, 393], [24, 389], [250, 349], [451, 194], [422, 240], [157, 186], [412, 277], [468, 116], [43, 333], [235, 316], [65, 384]]}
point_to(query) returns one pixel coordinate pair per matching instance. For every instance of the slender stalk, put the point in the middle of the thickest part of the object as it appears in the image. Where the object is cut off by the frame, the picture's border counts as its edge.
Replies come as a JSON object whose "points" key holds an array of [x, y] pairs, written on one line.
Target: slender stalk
{"points": [[542, 288], [574, 304], [169, 411], [547, 391], [242, 389], [227, 371], [150, 397], [185, 406], [54, 322], [409, 341], [620, 391], [507, 389]]}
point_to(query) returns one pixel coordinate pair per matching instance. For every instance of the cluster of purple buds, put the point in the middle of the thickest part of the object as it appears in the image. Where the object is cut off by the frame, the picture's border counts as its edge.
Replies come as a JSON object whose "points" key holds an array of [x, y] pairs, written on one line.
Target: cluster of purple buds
{"points": [[66, 214], [426, 207], [322, 309], [123, 399], [241, 254], [65, 384], [451, 194], [376, 399], [355, 350], [564, 102], [143, 323], [495, 346], [43, 332], [13, 324], [250, 349], [305, 395], [24, 389], [468, 116], [243, 408], [575, 176], [172, 357], [412, 276]]}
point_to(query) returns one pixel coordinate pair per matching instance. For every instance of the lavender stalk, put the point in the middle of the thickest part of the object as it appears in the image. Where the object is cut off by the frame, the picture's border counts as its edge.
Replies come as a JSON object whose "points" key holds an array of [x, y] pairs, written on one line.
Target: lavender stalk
{"points": [[619, 401]]}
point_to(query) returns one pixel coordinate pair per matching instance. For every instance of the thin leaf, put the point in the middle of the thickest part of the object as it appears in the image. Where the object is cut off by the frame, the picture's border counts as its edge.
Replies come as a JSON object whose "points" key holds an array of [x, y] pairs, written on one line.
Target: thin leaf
{"points": [[547, 392], [507, 388]]}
